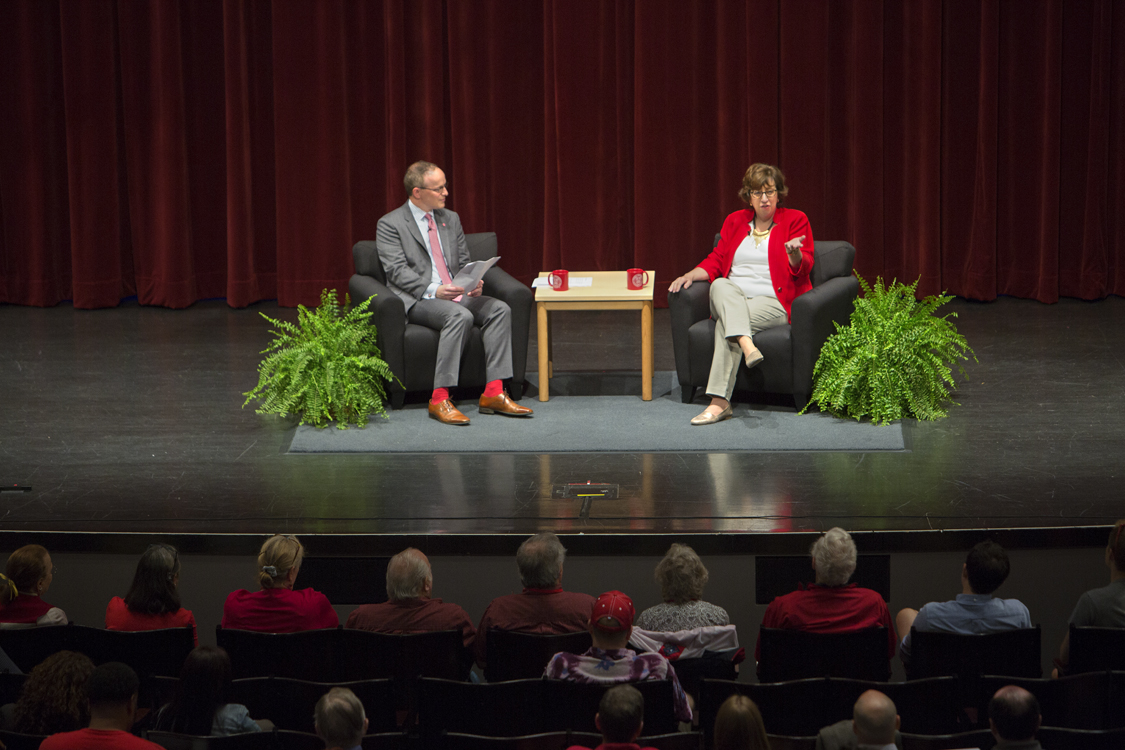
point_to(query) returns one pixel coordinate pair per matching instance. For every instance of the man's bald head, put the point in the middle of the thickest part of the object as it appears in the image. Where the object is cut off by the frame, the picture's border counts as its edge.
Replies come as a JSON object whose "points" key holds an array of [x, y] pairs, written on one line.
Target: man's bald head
{"points": [[875, 719], [1013, 714]]}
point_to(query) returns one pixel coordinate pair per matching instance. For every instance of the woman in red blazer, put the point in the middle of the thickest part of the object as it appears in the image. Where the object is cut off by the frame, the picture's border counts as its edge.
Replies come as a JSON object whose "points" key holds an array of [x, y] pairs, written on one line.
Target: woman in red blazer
{"points": [[760, 265]]}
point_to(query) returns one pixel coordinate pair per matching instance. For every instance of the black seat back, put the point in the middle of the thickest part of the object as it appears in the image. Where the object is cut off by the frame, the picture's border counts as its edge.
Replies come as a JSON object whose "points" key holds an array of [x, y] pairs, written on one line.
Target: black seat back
{"points": [[520, 656], [797, 654], [1013, 653], [573, 705], [1096, 649], [512, 708]]}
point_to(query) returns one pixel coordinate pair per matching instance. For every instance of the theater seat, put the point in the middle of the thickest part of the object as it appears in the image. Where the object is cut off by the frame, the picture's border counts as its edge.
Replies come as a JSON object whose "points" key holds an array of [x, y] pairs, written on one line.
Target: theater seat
{"points": [[797, 654], [512, 655], [411, 350]]}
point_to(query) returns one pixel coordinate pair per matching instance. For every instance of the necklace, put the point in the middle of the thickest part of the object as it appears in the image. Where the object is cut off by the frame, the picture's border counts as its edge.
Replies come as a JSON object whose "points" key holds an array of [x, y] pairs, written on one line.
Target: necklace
{"points": [[759, 235]]}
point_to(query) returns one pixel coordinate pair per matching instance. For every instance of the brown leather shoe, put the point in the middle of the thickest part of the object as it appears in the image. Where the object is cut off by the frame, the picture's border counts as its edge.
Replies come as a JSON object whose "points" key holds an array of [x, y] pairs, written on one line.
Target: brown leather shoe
{"points": [[502, 404], [446, 413]]}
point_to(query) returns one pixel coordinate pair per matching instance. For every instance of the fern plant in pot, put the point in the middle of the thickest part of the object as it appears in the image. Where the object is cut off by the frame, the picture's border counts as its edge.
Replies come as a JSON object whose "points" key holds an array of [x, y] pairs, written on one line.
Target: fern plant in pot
{"points": [[326, 368], [892, 360]]}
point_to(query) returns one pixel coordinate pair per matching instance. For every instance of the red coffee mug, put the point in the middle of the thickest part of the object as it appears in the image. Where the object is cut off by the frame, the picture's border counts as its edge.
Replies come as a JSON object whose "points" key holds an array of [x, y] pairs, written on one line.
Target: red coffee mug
{"points": [[559, 280], [636, 278]]}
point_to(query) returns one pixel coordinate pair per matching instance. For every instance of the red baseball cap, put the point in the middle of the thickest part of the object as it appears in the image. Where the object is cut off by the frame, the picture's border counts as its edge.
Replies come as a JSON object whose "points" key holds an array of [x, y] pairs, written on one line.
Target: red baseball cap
{"points": [[616, 605]]}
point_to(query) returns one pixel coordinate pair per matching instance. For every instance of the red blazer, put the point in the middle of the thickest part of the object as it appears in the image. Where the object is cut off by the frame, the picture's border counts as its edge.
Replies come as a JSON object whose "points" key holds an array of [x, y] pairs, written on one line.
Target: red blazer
{"points": [[787, 283]]}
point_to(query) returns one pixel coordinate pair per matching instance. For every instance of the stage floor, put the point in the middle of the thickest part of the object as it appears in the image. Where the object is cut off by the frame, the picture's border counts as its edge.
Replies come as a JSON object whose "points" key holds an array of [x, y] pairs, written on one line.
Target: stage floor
{"points": [[130, 420]]}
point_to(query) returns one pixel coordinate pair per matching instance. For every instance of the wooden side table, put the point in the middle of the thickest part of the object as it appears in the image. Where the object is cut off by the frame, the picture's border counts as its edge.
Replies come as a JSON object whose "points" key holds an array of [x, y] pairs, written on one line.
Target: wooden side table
{"points": [[607, 292]]}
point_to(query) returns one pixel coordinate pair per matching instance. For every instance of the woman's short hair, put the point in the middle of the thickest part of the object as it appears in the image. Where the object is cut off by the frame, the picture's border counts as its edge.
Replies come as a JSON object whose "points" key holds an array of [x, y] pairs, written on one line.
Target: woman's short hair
{"points": [[339, 718], [681, 575], [53, 697], [153, 591], [278, 556], [834, 554], [407, 573], [27, 566], [760, 175], [540, 560], [1117, 544], [738, 726]]}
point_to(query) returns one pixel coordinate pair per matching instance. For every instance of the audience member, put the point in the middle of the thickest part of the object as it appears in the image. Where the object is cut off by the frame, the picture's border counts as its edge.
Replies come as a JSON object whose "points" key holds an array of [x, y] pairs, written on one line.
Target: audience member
{"points": [[738, 726], [340, 719], [831, 604], [411, 607], [682, 576], [1013, 717], [53, 697], [543, 607], [609, 661], [199, 705], [278, 607], [874, 725], [28, 576], [112, 692], [620, 719], [1104, 607], [152, 601], [975, 610]]}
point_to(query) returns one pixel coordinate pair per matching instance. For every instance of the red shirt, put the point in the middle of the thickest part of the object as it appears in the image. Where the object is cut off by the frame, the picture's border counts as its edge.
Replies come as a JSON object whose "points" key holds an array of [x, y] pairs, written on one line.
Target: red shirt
{"points": [[97, 739], [278, 611], [790, 223], [829, 609], [120, 617], [24, 609], [413, 616], [542, 611]]}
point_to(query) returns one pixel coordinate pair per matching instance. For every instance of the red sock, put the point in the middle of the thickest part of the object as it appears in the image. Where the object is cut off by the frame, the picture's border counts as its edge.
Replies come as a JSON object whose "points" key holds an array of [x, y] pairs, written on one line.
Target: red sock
{"points": [[493, 388], [440, 394]]}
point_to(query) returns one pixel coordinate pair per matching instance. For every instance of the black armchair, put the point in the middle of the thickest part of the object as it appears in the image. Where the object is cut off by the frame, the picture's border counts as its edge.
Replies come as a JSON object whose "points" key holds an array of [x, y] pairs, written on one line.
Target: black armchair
{"points": [[411, 350], [790, 350]]}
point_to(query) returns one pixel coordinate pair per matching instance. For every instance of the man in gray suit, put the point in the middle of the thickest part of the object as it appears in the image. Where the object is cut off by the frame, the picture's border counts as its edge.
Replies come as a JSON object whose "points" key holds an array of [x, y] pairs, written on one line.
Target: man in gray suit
{"points": [[422, 247]]}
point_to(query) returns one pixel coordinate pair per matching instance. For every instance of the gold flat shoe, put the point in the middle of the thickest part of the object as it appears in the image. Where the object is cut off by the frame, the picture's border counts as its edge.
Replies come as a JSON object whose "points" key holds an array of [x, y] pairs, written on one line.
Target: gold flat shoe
{"points": [[706, 418]]}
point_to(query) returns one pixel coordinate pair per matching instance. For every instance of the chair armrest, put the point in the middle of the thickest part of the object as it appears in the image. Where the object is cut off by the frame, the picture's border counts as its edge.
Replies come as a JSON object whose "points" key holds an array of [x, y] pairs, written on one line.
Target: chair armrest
{"points": [[687, 307], [812, 318], [503, 286], [389, 319]]}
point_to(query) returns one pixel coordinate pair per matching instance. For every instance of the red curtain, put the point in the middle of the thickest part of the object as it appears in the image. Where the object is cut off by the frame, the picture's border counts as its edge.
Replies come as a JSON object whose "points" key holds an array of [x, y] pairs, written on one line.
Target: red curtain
{"points": [[191, 149]]}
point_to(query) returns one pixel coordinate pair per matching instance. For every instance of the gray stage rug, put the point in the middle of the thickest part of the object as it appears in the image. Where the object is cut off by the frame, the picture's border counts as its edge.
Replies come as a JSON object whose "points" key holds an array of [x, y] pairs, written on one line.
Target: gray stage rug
{"points": [[616, 421]]}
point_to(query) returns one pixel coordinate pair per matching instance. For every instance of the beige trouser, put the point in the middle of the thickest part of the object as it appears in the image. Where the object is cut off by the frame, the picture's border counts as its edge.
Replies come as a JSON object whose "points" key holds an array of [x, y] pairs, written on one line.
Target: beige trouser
{"points": [[735, 316]]}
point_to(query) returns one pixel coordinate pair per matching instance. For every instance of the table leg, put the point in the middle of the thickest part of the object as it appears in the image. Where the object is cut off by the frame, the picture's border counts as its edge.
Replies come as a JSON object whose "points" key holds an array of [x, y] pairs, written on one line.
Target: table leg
{"points": [[544, 359], [647, 359]]}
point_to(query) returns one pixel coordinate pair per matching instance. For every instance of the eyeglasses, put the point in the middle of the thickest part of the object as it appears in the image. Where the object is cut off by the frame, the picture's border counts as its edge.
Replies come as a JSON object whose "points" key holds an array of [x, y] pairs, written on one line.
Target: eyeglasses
{"points": [[759, 194], [439, 190]]}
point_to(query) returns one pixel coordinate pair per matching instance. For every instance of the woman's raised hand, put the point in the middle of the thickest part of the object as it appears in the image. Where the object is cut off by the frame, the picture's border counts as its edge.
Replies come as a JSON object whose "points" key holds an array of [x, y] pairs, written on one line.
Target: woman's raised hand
{"points": [[793, 247]]}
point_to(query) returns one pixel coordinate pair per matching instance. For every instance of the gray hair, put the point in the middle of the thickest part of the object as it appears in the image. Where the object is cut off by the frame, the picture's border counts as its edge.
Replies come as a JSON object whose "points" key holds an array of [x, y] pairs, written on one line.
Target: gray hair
{"points": [[340, 718], [681, 575], [407, 573], [834, 555], [416, 175], [540, 560]]}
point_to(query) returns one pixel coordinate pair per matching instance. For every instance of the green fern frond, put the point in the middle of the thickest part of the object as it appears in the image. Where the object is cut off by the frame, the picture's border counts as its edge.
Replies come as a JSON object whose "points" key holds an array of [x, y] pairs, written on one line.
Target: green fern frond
{"points": [[893, 358], [326, 368]]}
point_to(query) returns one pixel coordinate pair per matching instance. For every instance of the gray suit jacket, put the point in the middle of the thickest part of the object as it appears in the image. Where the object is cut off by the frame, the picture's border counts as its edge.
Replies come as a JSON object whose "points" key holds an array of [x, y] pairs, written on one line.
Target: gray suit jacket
{"points": [[840, 736], [403, 252]]}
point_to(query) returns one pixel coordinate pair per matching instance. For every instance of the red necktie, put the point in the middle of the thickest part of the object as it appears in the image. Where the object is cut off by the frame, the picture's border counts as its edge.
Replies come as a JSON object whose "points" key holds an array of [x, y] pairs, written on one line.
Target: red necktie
{"points": [[438, 257]]}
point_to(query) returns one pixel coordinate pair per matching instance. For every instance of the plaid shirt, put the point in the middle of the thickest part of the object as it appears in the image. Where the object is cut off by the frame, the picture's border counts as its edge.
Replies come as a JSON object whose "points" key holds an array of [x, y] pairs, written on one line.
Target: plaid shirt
{"points": [[617, 666]]}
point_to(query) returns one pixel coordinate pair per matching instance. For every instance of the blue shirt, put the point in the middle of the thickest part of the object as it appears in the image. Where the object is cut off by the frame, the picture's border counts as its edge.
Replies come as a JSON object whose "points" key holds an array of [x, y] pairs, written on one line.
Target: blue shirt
{"points": [[969, 614]]}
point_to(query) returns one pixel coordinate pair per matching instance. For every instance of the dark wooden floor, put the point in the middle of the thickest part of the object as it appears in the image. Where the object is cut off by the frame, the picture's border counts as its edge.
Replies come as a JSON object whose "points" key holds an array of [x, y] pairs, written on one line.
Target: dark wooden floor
{"points": [[130, 420]]}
